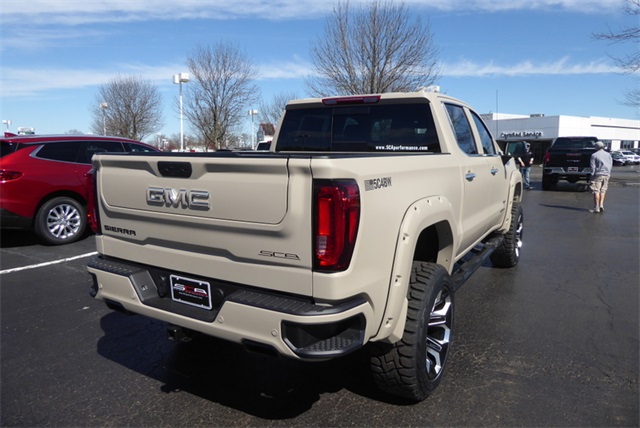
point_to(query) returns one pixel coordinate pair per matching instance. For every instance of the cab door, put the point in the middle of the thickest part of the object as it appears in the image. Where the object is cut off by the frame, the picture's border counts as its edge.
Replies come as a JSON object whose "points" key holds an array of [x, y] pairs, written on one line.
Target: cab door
{"points": [[498, 176], [478, 174]]}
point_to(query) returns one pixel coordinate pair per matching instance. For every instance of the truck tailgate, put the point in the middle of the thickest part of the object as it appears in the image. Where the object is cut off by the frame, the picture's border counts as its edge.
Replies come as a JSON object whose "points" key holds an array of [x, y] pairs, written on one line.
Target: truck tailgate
{"points": [[570, 158], [236, 187], [209, 215]]}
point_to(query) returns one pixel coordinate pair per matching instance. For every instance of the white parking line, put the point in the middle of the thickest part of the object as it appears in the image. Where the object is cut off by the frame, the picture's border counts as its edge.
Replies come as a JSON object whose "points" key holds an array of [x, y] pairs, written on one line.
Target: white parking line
{"points": [[2, 272]]}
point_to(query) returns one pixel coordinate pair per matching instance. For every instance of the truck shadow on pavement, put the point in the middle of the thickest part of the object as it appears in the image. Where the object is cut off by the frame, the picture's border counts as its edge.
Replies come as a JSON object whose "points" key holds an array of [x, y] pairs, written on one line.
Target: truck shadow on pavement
{"points": [[564, 207], [14, 238], [225, 373], [10, 238], [569, 187]]}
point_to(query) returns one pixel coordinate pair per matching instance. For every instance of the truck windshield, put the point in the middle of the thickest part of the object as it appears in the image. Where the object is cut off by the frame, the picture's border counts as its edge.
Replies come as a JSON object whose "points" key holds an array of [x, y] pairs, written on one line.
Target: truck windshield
{"points": [[370, 128]]}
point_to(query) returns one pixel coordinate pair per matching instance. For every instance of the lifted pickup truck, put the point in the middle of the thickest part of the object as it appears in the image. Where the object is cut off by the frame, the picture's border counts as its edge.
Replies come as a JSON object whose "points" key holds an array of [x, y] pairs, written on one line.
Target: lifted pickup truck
{"points": [[568, 159], [353, 231]]}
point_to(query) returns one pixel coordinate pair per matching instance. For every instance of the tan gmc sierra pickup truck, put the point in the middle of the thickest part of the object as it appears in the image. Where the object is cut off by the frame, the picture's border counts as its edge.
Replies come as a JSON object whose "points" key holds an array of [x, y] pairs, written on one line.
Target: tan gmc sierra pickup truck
{"points": [[354, 231]]}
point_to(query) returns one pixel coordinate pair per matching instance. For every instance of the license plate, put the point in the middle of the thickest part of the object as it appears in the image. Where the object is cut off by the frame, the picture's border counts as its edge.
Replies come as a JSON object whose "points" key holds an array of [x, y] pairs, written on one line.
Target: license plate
{"points": [[572, 169], [190, 291]]}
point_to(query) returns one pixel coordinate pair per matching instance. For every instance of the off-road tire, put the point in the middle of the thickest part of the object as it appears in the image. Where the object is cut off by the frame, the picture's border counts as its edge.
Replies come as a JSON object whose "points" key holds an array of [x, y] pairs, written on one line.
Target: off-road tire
{"points": [[507, 255], [413, 367], [61, 220]]}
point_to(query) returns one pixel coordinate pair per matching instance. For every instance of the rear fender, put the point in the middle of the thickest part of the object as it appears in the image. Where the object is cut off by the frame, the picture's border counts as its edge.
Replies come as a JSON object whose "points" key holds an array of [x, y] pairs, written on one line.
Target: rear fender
{"points": [[430, 215], [515, 195]]}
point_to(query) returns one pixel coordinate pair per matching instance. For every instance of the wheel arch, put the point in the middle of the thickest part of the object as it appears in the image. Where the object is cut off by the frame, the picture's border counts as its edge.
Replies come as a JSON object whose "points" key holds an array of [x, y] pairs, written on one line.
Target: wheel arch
{"points": [[59, 194], [516, 188], [435, 244], [426, 234], [514, 196]]}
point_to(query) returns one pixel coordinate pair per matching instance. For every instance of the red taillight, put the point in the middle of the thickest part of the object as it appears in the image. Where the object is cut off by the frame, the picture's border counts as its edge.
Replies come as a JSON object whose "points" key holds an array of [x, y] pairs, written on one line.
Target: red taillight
{"points": [[93, 219], [337, 214], [547, 156], [360, 99], [9, 175]]}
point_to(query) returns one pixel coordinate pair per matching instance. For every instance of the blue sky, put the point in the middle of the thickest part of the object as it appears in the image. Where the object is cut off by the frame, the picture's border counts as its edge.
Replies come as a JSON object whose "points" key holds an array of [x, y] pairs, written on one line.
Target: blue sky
{"points": [[509, 56]]}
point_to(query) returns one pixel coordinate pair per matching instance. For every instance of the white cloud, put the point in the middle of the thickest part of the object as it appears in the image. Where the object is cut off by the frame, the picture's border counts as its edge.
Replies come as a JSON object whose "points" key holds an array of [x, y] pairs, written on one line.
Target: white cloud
{"points": [[293, 69], [21, 82], [580, 6], [26, 82], [26, 38], [563, 66], [74, 12]]}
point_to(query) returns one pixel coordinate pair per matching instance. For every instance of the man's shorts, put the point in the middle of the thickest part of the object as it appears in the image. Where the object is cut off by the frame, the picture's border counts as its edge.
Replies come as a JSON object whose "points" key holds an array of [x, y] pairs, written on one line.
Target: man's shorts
{"points": [[599, 184]]}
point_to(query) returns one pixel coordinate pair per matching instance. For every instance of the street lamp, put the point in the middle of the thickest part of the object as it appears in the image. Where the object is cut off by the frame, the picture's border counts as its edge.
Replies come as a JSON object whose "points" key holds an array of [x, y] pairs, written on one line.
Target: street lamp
{"points": [[103, 107], [252, 113], [179, 79], [6, 122]]}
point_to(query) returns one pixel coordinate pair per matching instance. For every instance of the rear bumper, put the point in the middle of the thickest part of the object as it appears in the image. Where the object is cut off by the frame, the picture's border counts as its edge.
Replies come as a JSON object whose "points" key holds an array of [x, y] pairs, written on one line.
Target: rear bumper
{"points": [[10, 220], [293, 326], [567, 171]]}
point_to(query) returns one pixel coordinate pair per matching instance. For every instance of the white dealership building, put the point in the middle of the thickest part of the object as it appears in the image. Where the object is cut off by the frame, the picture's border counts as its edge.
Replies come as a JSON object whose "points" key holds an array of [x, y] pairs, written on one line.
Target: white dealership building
{"points": [[541, 130]]}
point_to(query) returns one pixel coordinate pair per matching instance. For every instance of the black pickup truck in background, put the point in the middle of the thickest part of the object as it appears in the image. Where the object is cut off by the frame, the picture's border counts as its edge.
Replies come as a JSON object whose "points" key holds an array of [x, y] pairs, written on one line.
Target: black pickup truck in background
{"points": [[568, 159]]}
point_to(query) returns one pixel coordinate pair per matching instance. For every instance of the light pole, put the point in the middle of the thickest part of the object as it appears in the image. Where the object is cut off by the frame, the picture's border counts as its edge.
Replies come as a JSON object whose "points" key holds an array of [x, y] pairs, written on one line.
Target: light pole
{"points": [[252, 113], [179, 79], [6, 122], [103, 107]]}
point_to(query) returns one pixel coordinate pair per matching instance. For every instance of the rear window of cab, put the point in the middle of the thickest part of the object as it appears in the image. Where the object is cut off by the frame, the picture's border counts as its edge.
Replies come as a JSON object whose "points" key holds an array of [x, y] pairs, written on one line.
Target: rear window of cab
{"points": [[360, 128]]}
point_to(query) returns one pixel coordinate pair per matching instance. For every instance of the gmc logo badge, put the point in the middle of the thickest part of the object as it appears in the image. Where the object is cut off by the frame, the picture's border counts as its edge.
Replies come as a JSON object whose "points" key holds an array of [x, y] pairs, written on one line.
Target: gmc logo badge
{"points": [[195, 199]]}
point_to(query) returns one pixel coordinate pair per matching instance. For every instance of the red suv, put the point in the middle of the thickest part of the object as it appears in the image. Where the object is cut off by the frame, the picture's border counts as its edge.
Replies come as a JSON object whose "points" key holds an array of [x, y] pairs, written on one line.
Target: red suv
{"points": [[43, 185]]}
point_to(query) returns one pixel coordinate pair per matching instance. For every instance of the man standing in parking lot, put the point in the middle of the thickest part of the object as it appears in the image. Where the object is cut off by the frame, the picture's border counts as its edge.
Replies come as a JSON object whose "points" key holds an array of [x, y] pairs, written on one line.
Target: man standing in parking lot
{"points": [[601, 164], [526, 160]]}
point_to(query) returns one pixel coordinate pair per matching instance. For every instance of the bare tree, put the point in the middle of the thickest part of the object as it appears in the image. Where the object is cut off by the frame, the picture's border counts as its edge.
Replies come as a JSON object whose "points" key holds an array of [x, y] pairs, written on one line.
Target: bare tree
{"points": [[129, 107], [630, 63], [271, 111], [220, 90], [373, 49]]}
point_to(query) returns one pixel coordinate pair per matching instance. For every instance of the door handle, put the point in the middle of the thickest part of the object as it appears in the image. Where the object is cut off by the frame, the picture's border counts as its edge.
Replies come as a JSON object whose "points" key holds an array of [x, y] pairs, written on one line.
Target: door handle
{"points": [[469, 176], [494, 170]]}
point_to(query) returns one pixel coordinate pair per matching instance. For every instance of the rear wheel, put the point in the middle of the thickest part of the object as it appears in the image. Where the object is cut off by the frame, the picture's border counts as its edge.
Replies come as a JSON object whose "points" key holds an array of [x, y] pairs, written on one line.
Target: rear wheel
{"points": [[60, 221], [413, 367]]}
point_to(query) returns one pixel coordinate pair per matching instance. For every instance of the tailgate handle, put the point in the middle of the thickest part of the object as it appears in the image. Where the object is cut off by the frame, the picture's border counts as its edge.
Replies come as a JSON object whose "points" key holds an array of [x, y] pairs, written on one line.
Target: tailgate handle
{"points": [[175, 169]]}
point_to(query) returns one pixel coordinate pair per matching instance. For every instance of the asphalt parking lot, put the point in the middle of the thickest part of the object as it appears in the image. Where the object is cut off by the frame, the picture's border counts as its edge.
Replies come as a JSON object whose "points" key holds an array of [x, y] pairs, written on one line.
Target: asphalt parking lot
{"points": [[553, 342]]}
